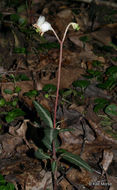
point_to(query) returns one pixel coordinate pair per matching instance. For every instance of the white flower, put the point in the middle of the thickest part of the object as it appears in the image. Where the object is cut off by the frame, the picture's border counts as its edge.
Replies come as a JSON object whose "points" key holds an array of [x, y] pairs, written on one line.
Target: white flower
{"points": [[75, 26], [42, 26], [40, 20]]}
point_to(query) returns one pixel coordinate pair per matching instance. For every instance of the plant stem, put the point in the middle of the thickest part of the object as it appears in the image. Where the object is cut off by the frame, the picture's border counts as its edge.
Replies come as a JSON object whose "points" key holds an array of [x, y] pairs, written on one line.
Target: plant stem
{"points": [[55, 172], [66, 31], [55, 109], [56, 36], [59, 70], [58, 83], [57, 95]]}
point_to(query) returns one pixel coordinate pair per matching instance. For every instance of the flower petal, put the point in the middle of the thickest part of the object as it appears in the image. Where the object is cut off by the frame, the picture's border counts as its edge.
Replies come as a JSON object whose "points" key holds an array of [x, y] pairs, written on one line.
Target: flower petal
{"points": [[45, 27], [40, 21]]}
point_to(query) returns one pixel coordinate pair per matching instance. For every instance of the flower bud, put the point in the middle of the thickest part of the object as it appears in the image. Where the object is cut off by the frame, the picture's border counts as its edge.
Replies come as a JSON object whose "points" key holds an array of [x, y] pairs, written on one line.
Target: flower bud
{"points": [[75, 26]]}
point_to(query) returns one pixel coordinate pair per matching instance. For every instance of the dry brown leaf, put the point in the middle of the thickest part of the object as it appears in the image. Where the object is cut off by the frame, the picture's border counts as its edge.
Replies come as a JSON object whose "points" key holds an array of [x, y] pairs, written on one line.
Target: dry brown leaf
{"points": [[107, 159], [105, 34], [67, 77], [33, 182], [9, 143], [20, 131], [24, 85], [63, 18]]}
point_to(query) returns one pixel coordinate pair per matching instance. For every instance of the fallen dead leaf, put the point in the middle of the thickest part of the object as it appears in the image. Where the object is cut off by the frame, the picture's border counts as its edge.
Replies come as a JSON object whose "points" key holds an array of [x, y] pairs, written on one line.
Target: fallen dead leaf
{"points": [[8, 144], [107, 159], [20, 131], [24, 85]]}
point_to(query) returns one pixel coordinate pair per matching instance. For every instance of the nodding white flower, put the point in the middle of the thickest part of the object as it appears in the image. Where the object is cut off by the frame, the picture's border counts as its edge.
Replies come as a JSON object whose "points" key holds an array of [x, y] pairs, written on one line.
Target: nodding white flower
{"points": [[75, 26], [42, 26]]}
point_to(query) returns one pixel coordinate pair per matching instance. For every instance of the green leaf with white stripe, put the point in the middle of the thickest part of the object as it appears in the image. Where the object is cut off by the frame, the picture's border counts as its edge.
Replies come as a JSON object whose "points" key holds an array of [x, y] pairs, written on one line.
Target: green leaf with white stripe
{"points": [[41, 155], [44, 114], [54, 166], [50, 135], [76, 160]]}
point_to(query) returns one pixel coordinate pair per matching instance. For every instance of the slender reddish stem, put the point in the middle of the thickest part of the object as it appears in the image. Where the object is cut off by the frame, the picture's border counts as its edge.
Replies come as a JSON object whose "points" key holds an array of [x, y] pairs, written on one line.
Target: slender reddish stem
{"points": [[59, 70], [58, 83], [55, 109], [57, 95]]}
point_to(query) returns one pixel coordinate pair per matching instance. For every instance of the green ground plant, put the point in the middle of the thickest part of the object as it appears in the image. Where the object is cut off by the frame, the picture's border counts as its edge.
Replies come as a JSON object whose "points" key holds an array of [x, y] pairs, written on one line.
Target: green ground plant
{"points": [[4, 185], [51, 131]]}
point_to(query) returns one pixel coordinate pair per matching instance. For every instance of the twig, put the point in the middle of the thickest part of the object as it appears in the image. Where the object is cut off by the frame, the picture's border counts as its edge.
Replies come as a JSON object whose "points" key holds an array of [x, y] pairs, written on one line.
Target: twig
{"points": [[82, 121], [98, 2]]}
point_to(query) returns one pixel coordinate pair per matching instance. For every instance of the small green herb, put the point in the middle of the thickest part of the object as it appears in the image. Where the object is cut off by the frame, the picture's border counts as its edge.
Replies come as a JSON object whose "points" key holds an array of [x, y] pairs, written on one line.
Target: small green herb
{"points": [[17, 89], [8, 91], [21, 77], [4, 185], [19, 50], [12, 115], [2, 102], [81, 83], [49, 88], [31, 93], [96, 63], [100, 104], [111, 110]]}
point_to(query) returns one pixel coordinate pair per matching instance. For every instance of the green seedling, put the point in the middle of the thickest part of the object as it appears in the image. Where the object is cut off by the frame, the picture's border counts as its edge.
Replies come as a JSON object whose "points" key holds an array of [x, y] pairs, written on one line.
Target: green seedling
{"points": [[2, 102], [112, 71], [16, 89], [50, 89], [111, 110], [14, 102], [20, 50], [8, 91], [4, 185], [83, 84], [111, 80], [13, 114], [101, 103], [31, 93], [94, 74], [96, 63], [67, 94], [21, 77]]}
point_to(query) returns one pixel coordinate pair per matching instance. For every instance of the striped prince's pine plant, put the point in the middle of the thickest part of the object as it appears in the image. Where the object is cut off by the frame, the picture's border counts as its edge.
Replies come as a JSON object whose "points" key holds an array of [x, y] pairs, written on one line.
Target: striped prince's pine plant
{"points": [[50, 140]]}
